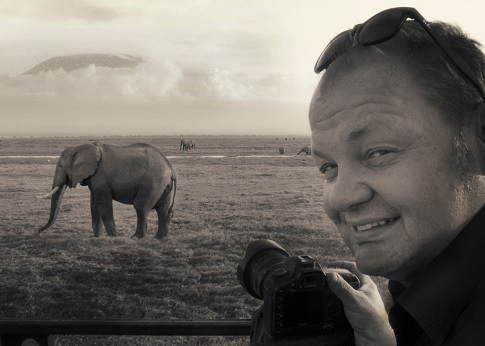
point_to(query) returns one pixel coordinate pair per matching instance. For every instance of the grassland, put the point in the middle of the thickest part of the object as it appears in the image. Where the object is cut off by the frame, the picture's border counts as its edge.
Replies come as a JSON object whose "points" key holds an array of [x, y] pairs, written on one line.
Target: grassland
{"points": [[221, 205]]}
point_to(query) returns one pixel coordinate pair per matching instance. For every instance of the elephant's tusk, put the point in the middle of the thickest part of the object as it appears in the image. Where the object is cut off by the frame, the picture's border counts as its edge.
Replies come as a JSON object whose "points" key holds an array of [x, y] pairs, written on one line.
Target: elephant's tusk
{"points": [[54, 190]]}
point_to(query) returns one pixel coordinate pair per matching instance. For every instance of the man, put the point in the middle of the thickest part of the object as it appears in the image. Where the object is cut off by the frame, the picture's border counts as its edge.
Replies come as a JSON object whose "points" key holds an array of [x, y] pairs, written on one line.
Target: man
{"points": [[398, 132]]}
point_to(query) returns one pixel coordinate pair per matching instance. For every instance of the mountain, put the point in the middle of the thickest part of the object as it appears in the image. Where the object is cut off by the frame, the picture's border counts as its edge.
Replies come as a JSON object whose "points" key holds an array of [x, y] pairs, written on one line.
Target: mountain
{"points": [[79, 61]]}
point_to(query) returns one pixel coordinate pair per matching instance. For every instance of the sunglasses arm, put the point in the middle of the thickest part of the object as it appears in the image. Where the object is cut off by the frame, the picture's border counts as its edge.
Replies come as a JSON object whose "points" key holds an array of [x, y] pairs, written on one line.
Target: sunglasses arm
{"points": [[453, 57]]}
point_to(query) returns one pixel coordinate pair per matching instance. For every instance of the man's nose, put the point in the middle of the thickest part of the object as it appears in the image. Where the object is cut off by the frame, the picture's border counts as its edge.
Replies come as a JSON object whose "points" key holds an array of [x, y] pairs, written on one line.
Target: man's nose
{"points": [[348, 191]]}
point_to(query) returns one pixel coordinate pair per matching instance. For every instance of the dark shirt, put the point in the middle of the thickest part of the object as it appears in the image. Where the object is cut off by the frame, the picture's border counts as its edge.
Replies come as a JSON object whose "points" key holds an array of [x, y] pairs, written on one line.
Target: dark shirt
{"points": [[445, 304]]}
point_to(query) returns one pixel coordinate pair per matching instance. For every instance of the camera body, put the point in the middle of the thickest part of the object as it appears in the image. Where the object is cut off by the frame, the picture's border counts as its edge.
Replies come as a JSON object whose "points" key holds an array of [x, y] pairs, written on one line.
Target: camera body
{"points": [[297, 299]]}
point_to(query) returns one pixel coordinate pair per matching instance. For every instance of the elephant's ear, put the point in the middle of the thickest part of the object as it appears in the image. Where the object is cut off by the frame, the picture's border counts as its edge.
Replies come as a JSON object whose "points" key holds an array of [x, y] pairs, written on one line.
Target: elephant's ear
{"points": [[84, 163]]}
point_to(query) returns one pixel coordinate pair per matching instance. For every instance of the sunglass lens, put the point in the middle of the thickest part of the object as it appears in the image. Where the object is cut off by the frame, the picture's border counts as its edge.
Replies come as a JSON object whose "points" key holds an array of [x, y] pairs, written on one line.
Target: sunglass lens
{"points": [[331, 51], [381, 27]]}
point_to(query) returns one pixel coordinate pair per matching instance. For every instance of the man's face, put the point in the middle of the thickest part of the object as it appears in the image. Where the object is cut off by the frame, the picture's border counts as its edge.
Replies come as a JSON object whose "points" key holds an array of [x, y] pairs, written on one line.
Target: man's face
{"points": [[392, 183]]}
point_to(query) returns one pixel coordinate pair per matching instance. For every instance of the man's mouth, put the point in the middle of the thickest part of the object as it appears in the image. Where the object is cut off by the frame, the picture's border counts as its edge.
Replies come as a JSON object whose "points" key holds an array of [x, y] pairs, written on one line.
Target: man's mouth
{"points": [[379, 223]]}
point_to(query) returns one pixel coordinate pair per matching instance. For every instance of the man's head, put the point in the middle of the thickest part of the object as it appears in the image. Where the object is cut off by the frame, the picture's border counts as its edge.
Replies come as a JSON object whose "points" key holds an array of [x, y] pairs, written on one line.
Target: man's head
{"points": [[400, 149]]}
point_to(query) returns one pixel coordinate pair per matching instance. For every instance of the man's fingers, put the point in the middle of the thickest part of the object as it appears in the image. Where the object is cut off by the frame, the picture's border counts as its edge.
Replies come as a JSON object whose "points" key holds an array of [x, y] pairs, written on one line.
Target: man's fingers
{"points": [[352, 267], [342, 289]]}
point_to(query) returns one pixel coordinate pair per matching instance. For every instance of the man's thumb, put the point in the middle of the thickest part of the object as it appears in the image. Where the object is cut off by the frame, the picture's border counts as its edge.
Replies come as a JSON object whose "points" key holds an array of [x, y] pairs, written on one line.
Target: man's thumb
{"points": [[341, 288]]}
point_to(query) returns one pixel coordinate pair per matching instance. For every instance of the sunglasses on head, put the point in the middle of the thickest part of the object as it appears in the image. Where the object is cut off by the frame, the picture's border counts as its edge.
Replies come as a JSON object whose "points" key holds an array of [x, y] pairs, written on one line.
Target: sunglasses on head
{"points": [[384, 26]]}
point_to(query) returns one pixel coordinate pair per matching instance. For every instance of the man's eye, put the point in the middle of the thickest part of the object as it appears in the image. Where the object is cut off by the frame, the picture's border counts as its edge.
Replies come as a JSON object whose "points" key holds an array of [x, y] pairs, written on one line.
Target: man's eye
{"points": [[329, 171], [378, 153]]}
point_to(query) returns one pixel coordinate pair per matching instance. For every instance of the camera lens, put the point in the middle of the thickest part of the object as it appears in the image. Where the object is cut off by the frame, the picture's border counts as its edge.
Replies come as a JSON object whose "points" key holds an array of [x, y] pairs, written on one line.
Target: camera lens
{"points": [[261, 258]]}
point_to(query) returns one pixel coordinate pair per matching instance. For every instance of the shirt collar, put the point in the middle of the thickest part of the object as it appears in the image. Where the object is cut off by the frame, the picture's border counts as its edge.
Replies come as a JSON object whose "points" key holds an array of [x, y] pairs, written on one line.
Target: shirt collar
{"points": [[439, 294]]}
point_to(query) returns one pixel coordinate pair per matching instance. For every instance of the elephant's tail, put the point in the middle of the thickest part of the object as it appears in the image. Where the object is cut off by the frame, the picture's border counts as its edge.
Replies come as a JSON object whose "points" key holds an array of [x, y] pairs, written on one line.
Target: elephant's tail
{"points": [[174, 187], [166, 193]]}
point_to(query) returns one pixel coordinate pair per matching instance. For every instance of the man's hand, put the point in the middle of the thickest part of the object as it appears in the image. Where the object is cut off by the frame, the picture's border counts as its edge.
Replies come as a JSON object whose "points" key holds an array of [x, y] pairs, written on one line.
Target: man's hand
{"points": [[364, 308]]}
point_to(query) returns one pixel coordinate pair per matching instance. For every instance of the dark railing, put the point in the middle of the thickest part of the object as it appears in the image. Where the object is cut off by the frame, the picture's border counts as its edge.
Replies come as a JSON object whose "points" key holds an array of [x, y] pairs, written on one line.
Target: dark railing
{"points": [[15, 332]]}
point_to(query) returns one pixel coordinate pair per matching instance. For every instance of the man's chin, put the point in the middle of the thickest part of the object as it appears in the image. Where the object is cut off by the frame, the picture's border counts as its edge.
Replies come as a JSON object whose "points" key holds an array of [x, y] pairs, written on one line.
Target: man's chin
{"points": [[375, 266]]}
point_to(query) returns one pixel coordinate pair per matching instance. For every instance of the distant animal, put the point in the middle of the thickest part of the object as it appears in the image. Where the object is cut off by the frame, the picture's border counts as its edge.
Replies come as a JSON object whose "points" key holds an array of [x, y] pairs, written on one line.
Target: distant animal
{"points": [[306, 149], [191, 144], [186, 144], [282, 150], [137, 174]]}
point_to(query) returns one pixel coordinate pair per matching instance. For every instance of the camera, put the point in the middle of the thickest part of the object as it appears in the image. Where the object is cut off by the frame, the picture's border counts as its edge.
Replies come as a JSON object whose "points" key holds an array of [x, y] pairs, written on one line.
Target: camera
{"points": [[296, 298]]}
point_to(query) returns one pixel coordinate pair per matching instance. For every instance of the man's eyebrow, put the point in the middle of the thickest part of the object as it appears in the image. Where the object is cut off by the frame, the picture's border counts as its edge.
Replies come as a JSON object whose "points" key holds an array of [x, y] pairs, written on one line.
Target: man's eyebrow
{"points": [[353, 136], [357, 134]]}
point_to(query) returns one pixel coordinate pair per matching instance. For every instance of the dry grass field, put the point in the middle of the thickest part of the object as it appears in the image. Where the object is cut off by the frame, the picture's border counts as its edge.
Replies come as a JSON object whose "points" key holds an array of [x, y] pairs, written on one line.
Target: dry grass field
{"points": [[221, 205]]}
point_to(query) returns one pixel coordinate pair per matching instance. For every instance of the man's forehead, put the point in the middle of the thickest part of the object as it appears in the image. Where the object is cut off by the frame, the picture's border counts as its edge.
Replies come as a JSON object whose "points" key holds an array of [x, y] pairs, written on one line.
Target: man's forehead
{"points": [[366, 87], [355, 127], [363, 110]]}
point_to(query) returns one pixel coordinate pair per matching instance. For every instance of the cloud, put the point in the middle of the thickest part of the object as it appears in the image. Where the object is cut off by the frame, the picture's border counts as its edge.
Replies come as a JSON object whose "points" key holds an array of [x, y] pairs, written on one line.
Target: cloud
{"points": [[155, 97], [46, 10], [154, 81]]}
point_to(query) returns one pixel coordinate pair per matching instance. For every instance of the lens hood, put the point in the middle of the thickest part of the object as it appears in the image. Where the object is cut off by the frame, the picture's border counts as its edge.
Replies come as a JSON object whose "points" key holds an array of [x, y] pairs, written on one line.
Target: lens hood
{"points": [[245, 267]]}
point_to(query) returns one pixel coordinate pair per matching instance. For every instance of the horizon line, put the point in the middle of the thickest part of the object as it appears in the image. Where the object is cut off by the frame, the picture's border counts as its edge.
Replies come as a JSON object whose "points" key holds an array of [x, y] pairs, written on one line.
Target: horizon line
{"points": [[154, 135]]}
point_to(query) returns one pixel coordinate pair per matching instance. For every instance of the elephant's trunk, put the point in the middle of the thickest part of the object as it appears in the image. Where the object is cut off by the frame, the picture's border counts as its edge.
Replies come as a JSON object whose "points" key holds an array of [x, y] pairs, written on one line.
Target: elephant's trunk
{"points": [[55, 205]]}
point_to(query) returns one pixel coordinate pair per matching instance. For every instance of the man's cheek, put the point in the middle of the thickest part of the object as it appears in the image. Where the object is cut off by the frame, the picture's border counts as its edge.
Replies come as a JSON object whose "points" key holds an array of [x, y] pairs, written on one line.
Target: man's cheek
{"points": [[330, 212], [348, 236]]}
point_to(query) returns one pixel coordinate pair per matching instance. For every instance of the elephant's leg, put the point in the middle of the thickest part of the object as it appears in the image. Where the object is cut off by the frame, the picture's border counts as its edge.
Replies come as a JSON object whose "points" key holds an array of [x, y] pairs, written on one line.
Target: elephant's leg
{"points": [[165, 213], [95, 218], [141, 224], [163, 222], [104, 204], [143, 203]]}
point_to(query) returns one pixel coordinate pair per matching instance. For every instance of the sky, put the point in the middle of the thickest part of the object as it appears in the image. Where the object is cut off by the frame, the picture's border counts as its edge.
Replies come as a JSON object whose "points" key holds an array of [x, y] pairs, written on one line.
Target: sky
{"points": [[214, 67]]}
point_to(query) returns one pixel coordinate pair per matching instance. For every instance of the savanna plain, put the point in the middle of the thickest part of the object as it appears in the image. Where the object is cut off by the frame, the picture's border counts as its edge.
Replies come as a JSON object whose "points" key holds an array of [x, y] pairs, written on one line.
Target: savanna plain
{"points": [[222, 204]]}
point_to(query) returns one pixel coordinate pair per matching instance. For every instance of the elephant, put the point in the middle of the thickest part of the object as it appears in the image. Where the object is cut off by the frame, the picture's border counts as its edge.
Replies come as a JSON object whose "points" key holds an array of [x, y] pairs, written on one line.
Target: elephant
{"points": [[186, 144], [191, 144], [137, 174], [281, 150], [183, 144], [306, 149]]}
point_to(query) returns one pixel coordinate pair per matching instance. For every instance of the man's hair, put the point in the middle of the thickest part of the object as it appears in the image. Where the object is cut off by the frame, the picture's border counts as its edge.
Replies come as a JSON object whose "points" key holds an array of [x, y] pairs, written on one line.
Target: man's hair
{"points": [[444, 83]]}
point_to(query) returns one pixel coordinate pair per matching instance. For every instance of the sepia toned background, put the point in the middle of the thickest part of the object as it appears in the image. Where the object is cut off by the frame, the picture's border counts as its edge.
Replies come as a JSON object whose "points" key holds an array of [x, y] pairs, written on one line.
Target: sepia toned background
{"points": [[236, 77], [209, 67]]}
